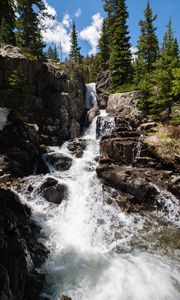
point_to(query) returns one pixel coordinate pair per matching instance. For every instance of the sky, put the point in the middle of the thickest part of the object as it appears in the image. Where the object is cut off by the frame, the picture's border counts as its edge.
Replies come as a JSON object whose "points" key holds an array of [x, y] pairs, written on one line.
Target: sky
{"points": [[88, 16]]}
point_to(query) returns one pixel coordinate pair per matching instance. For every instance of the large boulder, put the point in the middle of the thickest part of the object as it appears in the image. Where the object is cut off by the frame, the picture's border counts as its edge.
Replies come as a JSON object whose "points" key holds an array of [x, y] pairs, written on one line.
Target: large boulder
{"points": [[58, 161], [20, 252], [53, 191], [125, 105]]}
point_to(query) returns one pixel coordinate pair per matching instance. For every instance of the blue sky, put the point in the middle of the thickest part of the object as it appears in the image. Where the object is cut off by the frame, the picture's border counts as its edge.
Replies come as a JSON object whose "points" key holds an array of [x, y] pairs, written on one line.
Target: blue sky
{"points": [[88, 15]]}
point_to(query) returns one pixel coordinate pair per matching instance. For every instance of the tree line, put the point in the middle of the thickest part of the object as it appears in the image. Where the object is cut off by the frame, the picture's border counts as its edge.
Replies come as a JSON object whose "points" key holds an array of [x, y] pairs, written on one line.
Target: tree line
{"points": [[155, 69]]}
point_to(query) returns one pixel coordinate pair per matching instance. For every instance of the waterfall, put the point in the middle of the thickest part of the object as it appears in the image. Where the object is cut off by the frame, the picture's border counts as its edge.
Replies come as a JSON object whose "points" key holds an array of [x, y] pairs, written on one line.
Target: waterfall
{"points": [[91, 95], [98, 252]]}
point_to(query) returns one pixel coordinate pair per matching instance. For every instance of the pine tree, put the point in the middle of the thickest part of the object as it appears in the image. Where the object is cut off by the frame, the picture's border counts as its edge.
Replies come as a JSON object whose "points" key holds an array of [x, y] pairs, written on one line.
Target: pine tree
{"points": [[104, 45], [74, 54], [52, 53], [29, 28], [148, 42], [163, 79], [120, 50], [7, 22]]}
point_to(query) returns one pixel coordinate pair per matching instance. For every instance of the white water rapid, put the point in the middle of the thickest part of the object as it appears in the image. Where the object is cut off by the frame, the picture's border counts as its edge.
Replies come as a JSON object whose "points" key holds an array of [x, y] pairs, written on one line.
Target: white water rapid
{"points": [[99, 252]]}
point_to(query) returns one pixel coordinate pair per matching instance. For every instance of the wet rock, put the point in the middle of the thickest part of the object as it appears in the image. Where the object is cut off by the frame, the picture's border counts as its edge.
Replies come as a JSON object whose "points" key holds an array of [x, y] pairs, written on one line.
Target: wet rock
{"points": [[19, 250], [77, 147], [65, 298], [53, 191], [58, 161], [92, 113], [174, 186], [55, 194], [104, 126]]}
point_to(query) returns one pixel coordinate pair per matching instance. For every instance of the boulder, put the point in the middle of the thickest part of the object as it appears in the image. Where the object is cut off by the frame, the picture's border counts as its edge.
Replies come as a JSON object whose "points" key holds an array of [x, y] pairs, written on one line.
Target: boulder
{"points": [[77, 147], [58, 161], [53, 191], [92, 113], [125, 105], [65, 298]]}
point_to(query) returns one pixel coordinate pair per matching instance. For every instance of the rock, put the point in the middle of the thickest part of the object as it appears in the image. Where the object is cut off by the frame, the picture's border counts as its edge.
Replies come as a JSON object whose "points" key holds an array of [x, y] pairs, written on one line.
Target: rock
{"points": [[149, 126], [77, 147], [58, 161], [104, 126], [55, 194], [19, 143], [92, 113], [125, 105], [53, 191], [118, 149], [20, 252], [10, 51], [174, 186], [50, 99], [102, 87], [65, 298]]}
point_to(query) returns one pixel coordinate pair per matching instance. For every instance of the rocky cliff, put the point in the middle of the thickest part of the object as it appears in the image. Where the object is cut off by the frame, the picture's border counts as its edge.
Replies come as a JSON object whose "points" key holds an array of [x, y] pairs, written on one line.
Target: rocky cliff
{"points": [[45, 106]]}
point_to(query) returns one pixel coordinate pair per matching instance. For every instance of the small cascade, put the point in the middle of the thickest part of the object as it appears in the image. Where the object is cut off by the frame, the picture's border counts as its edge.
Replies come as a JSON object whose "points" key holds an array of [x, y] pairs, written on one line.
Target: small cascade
{"points": [[91, 95], [104, 125]]}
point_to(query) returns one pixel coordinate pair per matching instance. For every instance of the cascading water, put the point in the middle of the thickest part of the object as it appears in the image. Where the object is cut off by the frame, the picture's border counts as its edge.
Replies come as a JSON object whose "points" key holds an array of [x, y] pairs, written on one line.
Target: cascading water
{"points": [[99, 252]]}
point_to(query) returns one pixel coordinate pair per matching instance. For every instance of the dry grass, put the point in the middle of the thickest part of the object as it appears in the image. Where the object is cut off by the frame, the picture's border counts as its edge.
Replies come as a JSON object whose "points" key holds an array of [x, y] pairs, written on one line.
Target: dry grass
{"points": [[165, 142]]}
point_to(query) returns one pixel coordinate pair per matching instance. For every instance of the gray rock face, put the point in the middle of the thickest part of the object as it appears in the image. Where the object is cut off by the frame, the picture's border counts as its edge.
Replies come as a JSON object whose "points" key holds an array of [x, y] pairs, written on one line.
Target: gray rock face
{"points": [[125, 105], [48, 99], [102, 87], [20, 252]]}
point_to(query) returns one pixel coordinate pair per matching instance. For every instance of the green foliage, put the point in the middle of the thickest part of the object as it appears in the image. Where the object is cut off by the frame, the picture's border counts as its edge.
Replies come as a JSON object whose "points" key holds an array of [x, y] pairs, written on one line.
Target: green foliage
{"points": [[120, 54], [126, 88], [104, 46], [52, 53], [161, 87], [148, 42], [28, 33], [74, 54], [17, 89], [91, 67], [7, 22]]}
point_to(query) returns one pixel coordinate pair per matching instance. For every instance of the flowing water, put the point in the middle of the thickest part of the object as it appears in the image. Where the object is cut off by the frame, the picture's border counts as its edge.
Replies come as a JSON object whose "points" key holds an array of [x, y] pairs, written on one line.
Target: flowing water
{"points": [[99, 252]]}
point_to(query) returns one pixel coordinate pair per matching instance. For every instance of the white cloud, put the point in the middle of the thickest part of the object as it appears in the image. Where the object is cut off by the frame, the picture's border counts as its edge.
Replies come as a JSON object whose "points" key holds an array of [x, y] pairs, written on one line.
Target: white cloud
{"points": [[78, 12], [57, 32], [91, 34], [134, 52], [66, 21]]}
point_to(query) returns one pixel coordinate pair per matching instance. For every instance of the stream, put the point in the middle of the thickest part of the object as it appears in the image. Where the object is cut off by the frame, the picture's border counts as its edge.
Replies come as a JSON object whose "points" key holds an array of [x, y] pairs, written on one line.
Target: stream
{"points": [[99, 252]]}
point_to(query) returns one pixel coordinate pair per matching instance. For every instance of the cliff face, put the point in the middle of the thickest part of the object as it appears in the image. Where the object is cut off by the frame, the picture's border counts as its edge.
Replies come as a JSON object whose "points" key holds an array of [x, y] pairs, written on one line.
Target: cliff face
{"points": [[45, 108], [41, 93]]}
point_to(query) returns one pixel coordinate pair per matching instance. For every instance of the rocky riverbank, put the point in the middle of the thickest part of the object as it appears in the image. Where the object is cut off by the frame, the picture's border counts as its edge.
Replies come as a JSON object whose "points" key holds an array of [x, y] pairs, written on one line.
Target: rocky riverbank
{"points": [[139, 159]]}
